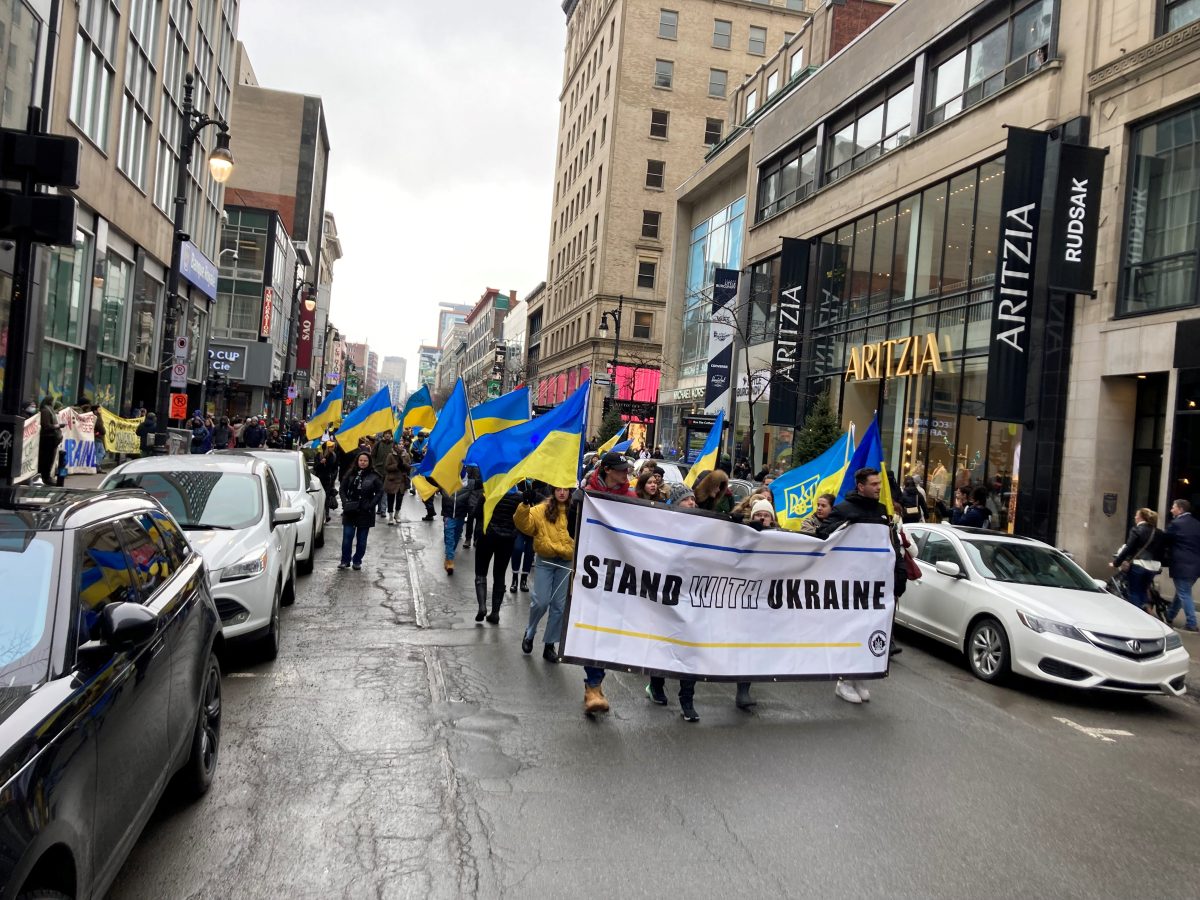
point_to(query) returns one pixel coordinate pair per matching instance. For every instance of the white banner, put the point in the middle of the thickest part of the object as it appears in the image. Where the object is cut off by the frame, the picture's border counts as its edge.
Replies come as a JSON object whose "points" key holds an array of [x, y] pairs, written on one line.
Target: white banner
{"points": [[31, 440], [79, 440], [684, 593]]}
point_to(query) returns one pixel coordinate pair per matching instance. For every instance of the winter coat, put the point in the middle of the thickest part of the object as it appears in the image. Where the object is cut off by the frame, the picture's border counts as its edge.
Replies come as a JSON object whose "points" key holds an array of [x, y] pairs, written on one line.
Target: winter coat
{"points": [[146, 432], [912, 506], [593, 482], [325, 468], [379, 457], [360, 495], [971, 517], [712, 492], [1183, 534], [254, 436], [221, 436], [458, 504], [502, 526], [550, 539], [396, 469], [201, 439], [1143, 542], [51, 431], [854, 508]]}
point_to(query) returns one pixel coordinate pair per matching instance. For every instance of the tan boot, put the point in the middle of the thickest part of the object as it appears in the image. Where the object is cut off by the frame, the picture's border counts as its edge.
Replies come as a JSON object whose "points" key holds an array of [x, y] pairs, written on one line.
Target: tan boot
{"points": [[594, 700], [449, 567]]}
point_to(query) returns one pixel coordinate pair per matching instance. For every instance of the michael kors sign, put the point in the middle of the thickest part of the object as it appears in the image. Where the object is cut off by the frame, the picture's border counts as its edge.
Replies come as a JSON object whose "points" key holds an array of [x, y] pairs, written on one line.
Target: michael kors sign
{"points": [[915, 355]]}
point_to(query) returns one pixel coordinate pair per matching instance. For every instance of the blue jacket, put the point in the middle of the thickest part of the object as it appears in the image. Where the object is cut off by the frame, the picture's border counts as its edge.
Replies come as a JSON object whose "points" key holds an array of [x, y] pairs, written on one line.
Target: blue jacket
{"points": [[1183, 533], [973, 516]]}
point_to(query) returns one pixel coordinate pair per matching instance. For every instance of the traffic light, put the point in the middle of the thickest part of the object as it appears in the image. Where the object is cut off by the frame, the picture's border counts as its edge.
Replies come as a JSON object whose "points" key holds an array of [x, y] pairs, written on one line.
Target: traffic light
{"points": [[277, 390]]}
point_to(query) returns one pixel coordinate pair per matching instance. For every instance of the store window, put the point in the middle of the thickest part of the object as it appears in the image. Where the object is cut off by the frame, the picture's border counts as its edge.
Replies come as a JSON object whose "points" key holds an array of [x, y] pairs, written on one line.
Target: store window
{"points": [[715, 243], [145, 314], [114, 306], [1161, 235], [68, 284]]}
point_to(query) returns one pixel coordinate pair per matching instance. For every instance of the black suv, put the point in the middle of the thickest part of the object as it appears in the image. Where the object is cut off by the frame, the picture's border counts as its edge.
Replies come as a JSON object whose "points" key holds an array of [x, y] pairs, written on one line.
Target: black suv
{"points": [[109, 682]]}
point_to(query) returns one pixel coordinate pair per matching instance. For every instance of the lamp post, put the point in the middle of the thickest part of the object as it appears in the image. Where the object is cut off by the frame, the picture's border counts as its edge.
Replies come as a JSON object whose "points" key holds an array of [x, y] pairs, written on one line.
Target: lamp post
{"points": [[615, 314], [220, 166]]}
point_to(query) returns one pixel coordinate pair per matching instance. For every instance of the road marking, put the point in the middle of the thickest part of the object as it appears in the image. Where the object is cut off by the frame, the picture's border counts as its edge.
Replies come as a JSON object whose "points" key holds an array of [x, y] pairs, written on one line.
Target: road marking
{"points": [[419, 612], [1101, 734]]}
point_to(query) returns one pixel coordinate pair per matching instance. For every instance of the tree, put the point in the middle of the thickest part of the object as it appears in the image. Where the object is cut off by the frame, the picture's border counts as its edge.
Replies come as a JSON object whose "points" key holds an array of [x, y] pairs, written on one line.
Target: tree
{"points": [[821, 429], [610, 424]]}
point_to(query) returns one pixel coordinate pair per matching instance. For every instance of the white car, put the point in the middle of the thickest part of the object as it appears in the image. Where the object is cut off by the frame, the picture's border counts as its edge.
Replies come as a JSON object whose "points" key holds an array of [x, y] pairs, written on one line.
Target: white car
{"points": [[235, 515], [673, 472], [1015, 604], [304, 491]]}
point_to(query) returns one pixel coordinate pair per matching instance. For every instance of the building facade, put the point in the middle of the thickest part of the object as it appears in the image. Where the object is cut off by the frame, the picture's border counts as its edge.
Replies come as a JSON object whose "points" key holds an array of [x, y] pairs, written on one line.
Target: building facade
{"points": [[427, 365], [323, 363], [393, 372], [485, 353], [644, 96]]}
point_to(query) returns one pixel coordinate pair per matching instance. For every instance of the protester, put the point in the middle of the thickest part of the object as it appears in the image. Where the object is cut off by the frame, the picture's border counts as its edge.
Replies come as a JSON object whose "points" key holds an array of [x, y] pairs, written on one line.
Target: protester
{"points": [[361, 488], [1183, 535], [380, 452], [473, 527], [201, 436], [712, 492], [1139, 557], [683, 498], [50, 436], [762, 515], [741, 512], [222, 435], [522, 555], [546, 523], [494, 547], [912, 503], [455, 508], [254, 436], [610, 477], [325, 467], [812, 525], [395, 480], [649, 485], [970, 507], [146, 431]]}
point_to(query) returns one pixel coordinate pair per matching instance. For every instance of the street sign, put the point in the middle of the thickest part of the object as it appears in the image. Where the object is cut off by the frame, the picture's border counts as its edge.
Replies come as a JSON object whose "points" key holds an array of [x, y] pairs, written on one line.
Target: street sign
{"points": [[292, 392], [179, 373], [601, 380], [181, 346], [179, 406]]}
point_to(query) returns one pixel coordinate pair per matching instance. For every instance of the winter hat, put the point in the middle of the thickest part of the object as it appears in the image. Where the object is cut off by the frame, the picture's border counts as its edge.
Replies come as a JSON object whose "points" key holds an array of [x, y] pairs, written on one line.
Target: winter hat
{"points": [[680, 494], [762, 506]]}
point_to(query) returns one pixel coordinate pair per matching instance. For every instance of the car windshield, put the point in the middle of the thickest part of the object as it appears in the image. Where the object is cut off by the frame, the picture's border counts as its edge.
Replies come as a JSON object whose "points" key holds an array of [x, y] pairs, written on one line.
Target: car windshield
{"points": [[287, 472], [200, 499], [1027, 564], [28, 562]]}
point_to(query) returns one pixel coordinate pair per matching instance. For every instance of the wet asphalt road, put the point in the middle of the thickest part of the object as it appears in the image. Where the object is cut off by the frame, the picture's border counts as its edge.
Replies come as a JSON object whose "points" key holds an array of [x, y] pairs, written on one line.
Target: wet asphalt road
{"points": [[397, 749]]}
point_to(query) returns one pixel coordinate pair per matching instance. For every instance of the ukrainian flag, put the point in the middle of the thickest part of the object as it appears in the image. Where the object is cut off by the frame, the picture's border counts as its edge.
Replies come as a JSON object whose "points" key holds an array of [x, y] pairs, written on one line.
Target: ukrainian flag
{"points": [[503, 412], [796, 491], [447, 445], [329, 413], [547, 449], [707, 461], [623, 446], [869, 453], [418, 411], [611, 442], [371, 418]]}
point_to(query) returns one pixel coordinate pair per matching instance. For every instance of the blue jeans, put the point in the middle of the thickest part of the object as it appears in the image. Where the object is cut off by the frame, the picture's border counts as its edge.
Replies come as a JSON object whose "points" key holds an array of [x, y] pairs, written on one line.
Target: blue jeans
{"points": [[349, 532], [550, 578], [592, 676], [1139, 583], [522, 554], [452, 530], [1183, 597]]}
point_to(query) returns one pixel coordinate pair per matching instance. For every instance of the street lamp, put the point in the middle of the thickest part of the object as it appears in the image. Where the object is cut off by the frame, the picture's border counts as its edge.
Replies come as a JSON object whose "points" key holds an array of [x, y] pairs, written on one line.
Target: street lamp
{"points": [[220, 167], [615, 314]]}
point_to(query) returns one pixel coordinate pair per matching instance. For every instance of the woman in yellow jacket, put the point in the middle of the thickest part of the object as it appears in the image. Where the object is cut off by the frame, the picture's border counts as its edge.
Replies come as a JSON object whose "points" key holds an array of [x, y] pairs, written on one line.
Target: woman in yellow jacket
{"points": [[553, 549]]}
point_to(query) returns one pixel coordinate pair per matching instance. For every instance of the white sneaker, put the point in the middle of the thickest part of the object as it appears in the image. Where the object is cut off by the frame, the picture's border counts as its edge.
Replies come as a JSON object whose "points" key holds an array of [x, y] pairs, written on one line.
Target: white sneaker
{"points": [[863, 694], [845, 690]]}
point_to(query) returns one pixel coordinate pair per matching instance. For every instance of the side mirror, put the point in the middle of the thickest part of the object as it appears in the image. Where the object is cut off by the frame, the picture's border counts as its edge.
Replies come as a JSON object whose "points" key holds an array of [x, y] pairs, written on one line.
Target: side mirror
{"points": [[1100, 583], [949, 568], [126, 625], [286, 515], [313, 484]]}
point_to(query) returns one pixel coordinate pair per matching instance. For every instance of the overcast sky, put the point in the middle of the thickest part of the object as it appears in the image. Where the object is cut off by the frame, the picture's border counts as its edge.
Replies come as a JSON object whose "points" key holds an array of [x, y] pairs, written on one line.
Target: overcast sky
{"points": [[442, 123]]}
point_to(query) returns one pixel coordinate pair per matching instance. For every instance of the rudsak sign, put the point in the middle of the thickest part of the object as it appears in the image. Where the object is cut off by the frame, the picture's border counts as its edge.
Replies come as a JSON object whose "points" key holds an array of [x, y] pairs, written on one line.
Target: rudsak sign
{"points": [[1076, 219], [785, 358], [1016, 259]]}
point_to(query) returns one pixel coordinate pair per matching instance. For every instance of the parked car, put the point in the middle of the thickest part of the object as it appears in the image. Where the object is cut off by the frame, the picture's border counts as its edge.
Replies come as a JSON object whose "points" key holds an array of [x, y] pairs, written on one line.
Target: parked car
{"points": [[1012, 604], [304, 491], [673, 472], [235, 514], [111, 684]]}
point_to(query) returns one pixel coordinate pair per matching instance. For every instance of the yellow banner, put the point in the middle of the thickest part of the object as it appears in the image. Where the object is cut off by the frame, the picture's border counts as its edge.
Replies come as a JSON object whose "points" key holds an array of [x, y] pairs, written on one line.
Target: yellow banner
{"points": [[120, 435]]}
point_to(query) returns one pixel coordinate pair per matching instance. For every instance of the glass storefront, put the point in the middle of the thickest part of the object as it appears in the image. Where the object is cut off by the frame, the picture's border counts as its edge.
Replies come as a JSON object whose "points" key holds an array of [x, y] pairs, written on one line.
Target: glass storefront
{"points": [[67, 292], [900, 326]]}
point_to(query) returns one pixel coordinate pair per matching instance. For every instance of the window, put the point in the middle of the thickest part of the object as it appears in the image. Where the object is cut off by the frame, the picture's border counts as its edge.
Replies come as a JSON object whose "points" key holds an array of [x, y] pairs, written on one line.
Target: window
{"points": [[150, 565], [758, 40], [751, 103], [722, 34], [167, 533], [796, 4], [650, 222], [772, 83], [664, 73], [643, 325], [607, 80], [603, 129], [716, 82], [712, 131], [104, 578], [1177, 13], [133, 147], [668, 24], [879, 126], [92, 76], [655, 170], [796, 66], [145, 318], [786, 181], [646, 272], [1162, 242], [659, 118], [937, 548]]}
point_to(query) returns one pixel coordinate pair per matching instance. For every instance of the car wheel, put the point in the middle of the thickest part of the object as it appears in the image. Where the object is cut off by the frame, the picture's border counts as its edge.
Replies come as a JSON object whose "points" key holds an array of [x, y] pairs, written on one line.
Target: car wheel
{"points": [[987, 651], [270, 641], [197, 774]]}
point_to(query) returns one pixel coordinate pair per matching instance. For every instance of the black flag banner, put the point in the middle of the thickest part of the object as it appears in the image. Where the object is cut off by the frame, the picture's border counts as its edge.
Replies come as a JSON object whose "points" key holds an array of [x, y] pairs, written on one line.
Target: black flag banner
{"points": [[786, 370]]}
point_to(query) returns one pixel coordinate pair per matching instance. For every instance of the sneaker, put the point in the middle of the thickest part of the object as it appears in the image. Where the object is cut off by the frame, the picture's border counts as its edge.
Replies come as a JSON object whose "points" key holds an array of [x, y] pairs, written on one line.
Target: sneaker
{"points": [[343, 565], [356, 567], [527, 644], [863, 694], [549, 654], [846, 691], [1192, 628], [688, 712], [659, 696]]}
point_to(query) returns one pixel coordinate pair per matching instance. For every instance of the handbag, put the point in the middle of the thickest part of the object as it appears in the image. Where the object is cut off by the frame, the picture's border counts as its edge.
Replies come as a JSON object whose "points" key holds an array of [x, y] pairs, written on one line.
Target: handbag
{"points": [[911, 567]]}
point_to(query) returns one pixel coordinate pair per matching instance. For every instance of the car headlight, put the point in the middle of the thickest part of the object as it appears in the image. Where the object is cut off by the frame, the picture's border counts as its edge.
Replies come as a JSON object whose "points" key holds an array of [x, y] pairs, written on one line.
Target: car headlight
{"points": [[1049, 626], [247, 567], [1173, 641]]}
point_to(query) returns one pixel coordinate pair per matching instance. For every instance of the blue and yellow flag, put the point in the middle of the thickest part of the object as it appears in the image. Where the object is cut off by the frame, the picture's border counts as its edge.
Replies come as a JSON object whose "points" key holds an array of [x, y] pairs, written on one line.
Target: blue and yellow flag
{"points": [[547, 449], [418, 411], [707, 460], [374, 416], [329, 413], [503, 412], [796, 491], [623, 446], [869, 453], [447, 445], [611, 443]]}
